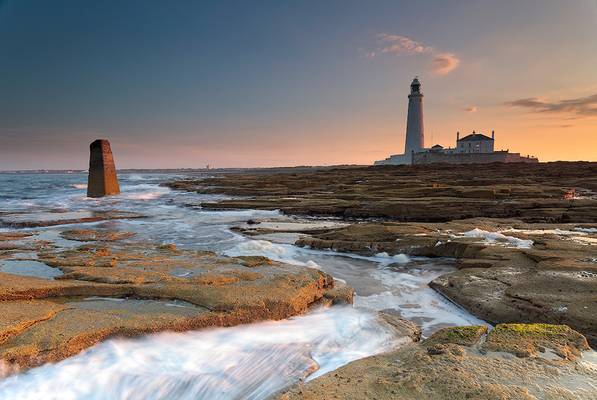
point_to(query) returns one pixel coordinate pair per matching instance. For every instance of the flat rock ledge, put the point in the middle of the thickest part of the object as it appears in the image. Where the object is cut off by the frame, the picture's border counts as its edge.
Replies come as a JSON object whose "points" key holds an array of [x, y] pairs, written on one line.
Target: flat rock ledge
{"points": [[513, 361], [111, 287], [508, 270], [546, 192], [52, 217]]}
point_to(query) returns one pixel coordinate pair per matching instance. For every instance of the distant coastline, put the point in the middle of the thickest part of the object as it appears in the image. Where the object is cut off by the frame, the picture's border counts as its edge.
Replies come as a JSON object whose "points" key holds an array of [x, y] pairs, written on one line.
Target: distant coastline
{"points": [[289, 169]]}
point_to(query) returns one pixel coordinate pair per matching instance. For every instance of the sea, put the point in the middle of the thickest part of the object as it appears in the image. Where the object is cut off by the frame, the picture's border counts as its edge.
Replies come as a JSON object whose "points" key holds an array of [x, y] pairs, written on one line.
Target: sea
{"points": [[252, 361]]}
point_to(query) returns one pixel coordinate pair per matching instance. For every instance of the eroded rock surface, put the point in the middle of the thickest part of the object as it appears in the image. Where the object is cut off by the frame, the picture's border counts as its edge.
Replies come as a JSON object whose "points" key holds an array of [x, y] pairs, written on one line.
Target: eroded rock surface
{"points": [[509, 271], [552, 192], [91, 235], [125, 288], [454, 364], [526, 340], [61, 217]]}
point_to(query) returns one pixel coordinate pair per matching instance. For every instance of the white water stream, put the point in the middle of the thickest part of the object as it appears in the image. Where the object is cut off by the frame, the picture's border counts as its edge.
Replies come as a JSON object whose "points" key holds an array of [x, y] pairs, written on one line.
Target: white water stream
{"points": [[243, 362]]}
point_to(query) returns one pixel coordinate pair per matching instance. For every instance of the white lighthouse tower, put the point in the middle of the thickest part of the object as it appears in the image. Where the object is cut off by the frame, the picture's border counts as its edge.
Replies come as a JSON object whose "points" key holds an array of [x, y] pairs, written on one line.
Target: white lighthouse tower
{"points": [[415, 136]]}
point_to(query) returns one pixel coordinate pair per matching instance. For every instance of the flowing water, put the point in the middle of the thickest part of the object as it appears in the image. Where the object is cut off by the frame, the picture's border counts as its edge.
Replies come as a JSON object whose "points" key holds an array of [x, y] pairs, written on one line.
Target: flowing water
{"points": [[252, 361]]}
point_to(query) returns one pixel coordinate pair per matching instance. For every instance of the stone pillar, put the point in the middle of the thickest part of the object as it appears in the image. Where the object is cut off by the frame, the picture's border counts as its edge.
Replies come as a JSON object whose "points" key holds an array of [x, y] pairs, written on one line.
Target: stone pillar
{"points": [[102, 172]]}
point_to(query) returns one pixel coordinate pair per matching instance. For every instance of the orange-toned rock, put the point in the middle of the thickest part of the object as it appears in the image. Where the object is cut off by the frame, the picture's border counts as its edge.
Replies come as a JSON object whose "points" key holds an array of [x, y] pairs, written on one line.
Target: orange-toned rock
{"points": [[127, 288], [102, 172], [449, 365]]}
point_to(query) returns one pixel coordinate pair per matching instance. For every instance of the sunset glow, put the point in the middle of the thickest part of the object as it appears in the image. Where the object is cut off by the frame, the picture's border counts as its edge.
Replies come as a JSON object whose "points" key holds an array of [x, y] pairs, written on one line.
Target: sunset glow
{"points": [[312, 83]]}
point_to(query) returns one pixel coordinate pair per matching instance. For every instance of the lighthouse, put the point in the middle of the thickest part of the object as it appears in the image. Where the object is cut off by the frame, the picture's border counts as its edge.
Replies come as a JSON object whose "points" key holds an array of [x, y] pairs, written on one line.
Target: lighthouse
{"points": [[415, 135], [475, 148]]}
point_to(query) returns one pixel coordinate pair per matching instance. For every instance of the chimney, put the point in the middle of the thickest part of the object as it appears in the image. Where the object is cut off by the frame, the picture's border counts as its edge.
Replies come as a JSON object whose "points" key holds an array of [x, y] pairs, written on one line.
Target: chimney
{"points": [[457, 136], [493, 134]]}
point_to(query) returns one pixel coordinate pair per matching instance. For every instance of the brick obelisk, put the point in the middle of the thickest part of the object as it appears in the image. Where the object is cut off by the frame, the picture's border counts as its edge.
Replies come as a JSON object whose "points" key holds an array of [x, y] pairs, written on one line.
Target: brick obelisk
{"points": [[102, 179]]}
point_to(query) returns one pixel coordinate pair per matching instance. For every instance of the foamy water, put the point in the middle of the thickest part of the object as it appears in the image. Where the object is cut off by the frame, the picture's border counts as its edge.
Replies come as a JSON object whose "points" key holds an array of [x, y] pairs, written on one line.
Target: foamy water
{"points": [[244, 362], [585, 236], [241, 362], [498, 238], [382, 282]]}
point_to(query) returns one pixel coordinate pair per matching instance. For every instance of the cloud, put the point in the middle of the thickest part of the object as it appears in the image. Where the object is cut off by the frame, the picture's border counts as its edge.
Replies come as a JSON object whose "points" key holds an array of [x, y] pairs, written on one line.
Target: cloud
{"points": [[441, 63], [581, 106], [471, 109], [397, 44], [445, 63]]}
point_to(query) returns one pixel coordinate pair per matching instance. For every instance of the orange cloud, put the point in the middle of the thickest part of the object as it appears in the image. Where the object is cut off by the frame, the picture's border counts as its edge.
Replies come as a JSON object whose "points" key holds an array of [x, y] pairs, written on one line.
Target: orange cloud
{"points": [[397, 44], [444, 63], [471, 109], [441, 63]]}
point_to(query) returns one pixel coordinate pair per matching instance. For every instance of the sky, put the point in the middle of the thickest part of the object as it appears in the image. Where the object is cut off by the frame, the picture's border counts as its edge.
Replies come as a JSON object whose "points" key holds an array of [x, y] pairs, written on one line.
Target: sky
{"points": [[176, 84]]}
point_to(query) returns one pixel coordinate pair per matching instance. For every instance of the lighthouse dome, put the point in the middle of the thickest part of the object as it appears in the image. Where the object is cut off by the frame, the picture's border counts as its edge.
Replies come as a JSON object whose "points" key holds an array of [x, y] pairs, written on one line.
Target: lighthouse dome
{"points": [[415, 86]]}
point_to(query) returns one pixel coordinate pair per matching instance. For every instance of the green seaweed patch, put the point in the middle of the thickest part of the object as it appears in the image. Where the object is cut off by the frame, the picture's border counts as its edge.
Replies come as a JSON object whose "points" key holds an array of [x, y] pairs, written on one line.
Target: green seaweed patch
{"points": [[254, 261], [463, 332], [537, 330], [462, 335], [526, 340]]}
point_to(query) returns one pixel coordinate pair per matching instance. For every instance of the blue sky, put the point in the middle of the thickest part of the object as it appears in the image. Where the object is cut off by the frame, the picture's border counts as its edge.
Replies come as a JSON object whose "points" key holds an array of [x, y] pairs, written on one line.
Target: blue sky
{"points": [[236, 83]]}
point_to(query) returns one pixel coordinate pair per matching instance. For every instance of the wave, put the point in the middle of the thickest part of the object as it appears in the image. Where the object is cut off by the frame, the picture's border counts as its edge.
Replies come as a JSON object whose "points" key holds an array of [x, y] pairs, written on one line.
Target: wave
{"points": [[498, 238], [292, 254], [143, 191], [586, 230], [251, 362], [135, 177]]}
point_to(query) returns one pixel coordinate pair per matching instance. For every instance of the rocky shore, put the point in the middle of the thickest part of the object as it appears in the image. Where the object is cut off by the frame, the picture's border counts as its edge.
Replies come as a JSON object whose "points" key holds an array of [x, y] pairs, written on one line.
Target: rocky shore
{"points": [[525, 241], [553, 192], [529, 255], [512, 362], [58, 301], [509, 271]]}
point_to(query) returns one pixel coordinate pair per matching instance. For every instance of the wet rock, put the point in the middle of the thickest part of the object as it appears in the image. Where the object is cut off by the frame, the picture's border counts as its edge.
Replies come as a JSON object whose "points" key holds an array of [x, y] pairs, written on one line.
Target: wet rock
{"points": [[403, 327], [13, 236], [460, 335], [526, 340], [552, 281], [523, 294], [102, 179], [171, 247], [533, 193], [436, 349], [18, 316], [125, 288], [92, 235], [340, 293], [450, 371], [449, 348], [254, 261], [51, 218]]}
